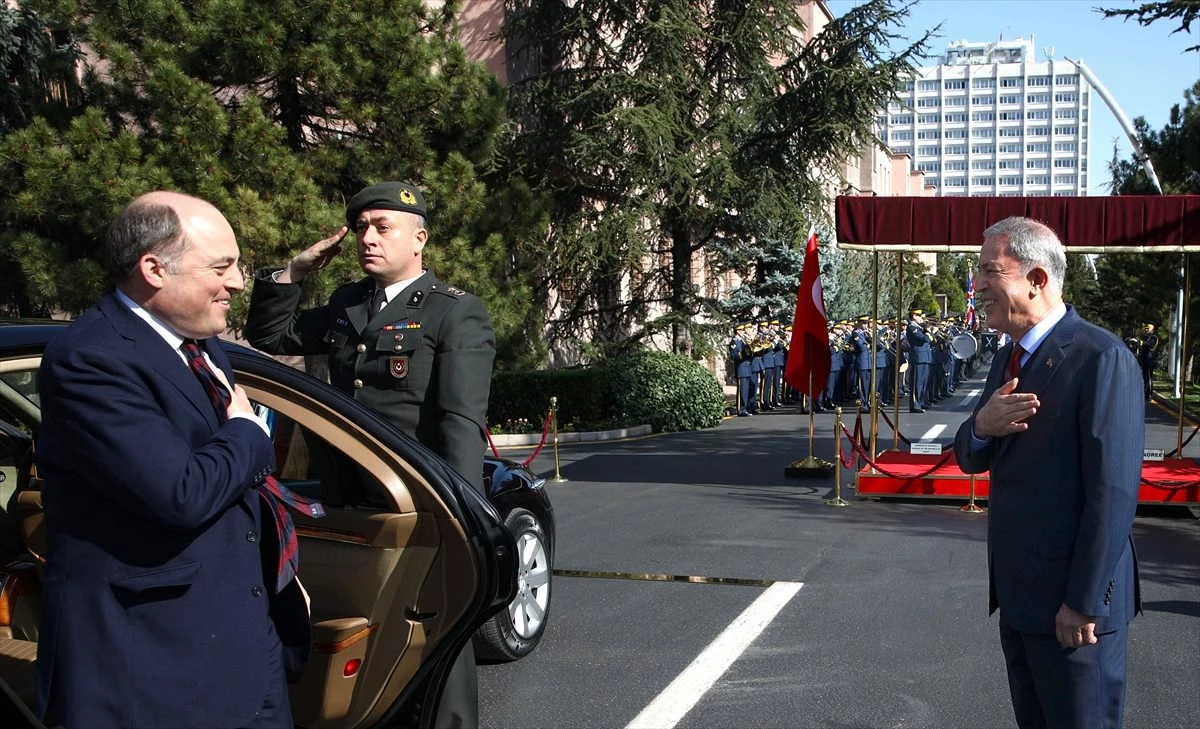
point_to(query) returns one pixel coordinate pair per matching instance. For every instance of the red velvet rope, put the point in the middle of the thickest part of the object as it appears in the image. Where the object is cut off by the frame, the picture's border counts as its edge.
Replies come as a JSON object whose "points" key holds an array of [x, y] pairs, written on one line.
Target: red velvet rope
{"points": [[536, 451], [545, 432], [871, 462]]}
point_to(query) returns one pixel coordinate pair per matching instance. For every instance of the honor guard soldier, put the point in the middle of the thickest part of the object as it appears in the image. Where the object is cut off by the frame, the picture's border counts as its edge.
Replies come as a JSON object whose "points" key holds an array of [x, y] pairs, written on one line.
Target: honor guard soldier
{"points": [[1146, 355], [739, 355], [920, 357], [415, 350]]}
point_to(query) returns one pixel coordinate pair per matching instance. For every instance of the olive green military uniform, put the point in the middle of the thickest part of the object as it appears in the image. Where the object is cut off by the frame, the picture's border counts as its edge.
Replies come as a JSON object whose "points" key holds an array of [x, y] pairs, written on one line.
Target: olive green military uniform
{"points": [[424, 362]]}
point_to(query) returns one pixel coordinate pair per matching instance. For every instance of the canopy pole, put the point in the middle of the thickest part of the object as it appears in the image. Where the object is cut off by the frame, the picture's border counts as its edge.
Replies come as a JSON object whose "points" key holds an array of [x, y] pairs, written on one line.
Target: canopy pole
{"points": [[901, 330], [1183, 364], [874, 395]]}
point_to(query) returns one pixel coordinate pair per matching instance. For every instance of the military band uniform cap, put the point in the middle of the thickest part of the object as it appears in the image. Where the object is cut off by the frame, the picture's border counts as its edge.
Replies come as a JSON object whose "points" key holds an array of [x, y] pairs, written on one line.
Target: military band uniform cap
{"points": [[916, 311], [774, 322], [386, 196]]}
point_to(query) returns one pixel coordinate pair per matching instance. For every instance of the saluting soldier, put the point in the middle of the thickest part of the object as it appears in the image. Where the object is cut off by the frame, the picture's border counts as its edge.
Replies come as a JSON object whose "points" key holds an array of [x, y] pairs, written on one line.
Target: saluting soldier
{"points": [[410, 347]]}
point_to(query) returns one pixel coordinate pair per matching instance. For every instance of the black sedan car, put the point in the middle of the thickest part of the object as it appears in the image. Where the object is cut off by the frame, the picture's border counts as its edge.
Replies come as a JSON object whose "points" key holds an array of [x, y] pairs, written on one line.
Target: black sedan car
{"points": [[408, 563]]}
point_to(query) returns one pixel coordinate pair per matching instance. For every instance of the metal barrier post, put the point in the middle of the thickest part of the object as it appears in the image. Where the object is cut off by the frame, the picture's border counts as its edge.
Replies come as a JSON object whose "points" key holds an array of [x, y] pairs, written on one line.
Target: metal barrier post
{"points": [[554, 426], [837, 499], [971, 506]]}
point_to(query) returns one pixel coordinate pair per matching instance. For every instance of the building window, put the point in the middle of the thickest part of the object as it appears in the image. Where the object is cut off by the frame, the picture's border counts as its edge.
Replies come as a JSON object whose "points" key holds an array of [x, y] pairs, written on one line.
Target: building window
{"points": [[954, 83], [957, 149], [1009, 164], [1039, 81], [929, 166], [1037, 164], [1064, 179], [956, 101], [1011, 82], [932, 101], [929, 118], [1009, 181], [982, 101], [983, 149], [1008, 148], [1010, 99], [1037, 99], [1037, 147], [1066, 131], [1037, 180], [1065, 146], [983, 116], [1065, 113], [1070, 79], [1010, 132], [906, 119], [928, 134], [954, 134], [1066, 162], [1010, 116], [927, 85], [981, 181], [898, 135], [927, 151], [983, 83], [983, 164], [955, 118], [1039, 131], [1038, 114], [983, 133], [1066, 98]]}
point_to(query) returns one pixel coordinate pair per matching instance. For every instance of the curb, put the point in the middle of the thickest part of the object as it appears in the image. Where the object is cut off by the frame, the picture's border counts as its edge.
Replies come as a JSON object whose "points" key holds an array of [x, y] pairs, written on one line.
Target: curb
{"points": [[532, 439]]}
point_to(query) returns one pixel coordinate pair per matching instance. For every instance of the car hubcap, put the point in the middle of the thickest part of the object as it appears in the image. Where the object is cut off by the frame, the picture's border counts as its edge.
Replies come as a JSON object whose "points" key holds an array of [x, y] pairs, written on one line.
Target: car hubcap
{"points": [[528, 608]]}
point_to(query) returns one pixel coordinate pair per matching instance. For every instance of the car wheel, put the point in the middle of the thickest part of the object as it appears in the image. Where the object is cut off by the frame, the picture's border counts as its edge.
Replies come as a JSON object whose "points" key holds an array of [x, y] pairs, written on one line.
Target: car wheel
{"points": [[514, 632]]}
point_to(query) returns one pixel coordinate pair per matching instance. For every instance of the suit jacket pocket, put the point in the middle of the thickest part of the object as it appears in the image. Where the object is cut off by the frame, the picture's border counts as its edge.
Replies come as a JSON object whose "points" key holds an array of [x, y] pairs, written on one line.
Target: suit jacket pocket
{"points": [[157, 583]]}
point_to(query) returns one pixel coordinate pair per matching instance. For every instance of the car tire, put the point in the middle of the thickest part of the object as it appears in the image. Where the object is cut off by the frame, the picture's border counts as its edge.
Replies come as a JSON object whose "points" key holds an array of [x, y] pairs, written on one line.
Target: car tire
{"points": [[515, 631]]}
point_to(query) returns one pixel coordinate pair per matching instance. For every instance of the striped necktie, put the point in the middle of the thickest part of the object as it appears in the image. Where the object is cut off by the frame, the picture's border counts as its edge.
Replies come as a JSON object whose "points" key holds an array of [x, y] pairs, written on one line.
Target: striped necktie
{"points": [[274, 494]]}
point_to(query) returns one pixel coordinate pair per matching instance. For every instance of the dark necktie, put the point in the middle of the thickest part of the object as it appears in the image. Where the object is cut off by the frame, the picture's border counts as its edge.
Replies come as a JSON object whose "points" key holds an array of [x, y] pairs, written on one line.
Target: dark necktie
{"points": [[277, 497], [378, 301], [1014, 360]]}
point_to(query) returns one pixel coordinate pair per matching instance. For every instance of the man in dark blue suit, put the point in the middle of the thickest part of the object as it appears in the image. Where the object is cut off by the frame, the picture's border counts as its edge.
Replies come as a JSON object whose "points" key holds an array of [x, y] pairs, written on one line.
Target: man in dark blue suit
{"points": [[1060, 426], [161, 605]]}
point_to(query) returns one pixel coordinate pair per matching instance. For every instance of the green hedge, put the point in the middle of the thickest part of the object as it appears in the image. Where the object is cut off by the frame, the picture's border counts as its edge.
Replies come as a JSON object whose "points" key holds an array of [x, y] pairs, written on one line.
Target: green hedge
{"points": [[667, 391]]}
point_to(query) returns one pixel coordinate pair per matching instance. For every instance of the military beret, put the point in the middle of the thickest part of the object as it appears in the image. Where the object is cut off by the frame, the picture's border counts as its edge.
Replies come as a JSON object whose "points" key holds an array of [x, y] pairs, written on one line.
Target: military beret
{"points": [[386, 196]]}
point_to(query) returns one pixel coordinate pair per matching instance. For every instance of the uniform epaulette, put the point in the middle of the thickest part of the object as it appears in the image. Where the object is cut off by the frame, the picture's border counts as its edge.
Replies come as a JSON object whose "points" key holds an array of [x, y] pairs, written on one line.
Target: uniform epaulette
{"points": [[448, 290]]}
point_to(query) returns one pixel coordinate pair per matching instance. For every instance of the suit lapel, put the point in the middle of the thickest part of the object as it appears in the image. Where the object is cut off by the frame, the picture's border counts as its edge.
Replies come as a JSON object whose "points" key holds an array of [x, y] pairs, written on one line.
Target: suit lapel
{"points": [[155, 351], [1045, 362]]}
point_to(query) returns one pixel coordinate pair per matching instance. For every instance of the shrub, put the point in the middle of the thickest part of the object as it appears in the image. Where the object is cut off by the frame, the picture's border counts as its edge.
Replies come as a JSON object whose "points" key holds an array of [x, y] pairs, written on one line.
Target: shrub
{"points": [[669, 391]]}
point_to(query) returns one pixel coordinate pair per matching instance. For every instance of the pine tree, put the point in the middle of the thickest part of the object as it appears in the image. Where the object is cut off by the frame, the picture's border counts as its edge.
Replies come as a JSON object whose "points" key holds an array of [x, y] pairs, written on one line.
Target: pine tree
{"points": [[276, 111], [672, 135]]}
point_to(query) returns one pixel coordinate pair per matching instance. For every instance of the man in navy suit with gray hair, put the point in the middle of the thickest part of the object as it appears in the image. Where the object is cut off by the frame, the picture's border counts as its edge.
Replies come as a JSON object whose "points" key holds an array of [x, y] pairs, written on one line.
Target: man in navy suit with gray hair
{"points": [[1060, 425]]}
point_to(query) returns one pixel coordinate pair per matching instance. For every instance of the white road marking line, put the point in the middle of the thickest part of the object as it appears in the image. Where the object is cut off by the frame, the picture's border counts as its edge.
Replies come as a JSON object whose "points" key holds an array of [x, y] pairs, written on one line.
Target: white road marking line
{"points": [[685, 691], [933, 432], [973, 393]]}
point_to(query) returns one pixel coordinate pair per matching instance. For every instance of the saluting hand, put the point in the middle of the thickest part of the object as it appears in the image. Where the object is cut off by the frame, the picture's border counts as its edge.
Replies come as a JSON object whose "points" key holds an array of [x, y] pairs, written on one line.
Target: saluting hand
{"points": [[313, 258], [1006, 411]]}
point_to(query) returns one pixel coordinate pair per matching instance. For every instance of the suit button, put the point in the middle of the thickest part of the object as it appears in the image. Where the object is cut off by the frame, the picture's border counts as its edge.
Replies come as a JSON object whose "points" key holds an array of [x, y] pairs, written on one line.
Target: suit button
{"points": [[251, 536], [358, 384], [256, 591], [361, 348]]}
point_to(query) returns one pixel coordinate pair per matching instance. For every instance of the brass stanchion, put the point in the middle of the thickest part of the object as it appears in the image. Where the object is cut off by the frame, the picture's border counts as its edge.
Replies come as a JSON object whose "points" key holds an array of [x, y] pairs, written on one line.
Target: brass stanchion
{"points": [[554, 426], [837, 499], [971, 506]]}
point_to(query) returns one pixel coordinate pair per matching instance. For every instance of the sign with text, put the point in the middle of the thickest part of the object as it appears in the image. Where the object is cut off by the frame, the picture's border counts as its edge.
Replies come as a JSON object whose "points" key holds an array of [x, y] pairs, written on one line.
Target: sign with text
{"points": [[925, 448], [1154, 454]]}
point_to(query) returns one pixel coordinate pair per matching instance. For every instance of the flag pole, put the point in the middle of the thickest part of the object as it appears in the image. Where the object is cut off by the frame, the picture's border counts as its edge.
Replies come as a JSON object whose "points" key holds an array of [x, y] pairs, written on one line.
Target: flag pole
{"points": [[810, 306]]}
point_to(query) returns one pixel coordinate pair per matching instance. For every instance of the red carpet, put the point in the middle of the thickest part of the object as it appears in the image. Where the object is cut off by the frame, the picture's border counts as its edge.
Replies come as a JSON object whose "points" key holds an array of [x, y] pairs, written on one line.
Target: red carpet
{"points": [[899, 473]]}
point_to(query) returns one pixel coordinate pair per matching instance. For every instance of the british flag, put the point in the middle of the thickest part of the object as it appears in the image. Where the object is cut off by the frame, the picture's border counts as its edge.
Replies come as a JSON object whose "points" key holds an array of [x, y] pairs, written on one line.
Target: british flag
{"points": [[970, 316]]}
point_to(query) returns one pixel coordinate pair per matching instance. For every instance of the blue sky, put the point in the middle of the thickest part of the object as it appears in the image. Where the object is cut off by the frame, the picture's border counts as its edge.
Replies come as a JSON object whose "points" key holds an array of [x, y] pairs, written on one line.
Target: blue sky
{"points": [[1144, 68]]}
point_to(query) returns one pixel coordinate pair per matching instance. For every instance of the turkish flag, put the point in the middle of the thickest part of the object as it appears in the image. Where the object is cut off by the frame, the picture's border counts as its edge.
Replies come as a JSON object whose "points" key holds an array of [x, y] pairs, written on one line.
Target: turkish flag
{"points": [[808, 359]]}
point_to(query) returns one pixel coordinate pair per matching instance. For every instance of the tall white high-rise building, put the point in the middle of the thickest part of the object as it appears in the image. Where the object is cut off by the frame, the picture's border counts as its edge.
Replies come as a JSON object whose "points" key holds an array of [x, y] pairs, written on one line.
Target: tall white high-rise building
{"points": [[991, 120]]}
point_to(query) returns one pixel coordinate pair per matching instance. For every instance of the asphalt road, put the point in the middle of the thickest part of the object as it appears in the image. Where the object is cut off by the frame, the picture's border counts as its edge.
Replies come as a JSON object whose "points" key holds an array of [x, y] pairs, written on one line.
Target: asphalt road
{"points": [[889, 627]]}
